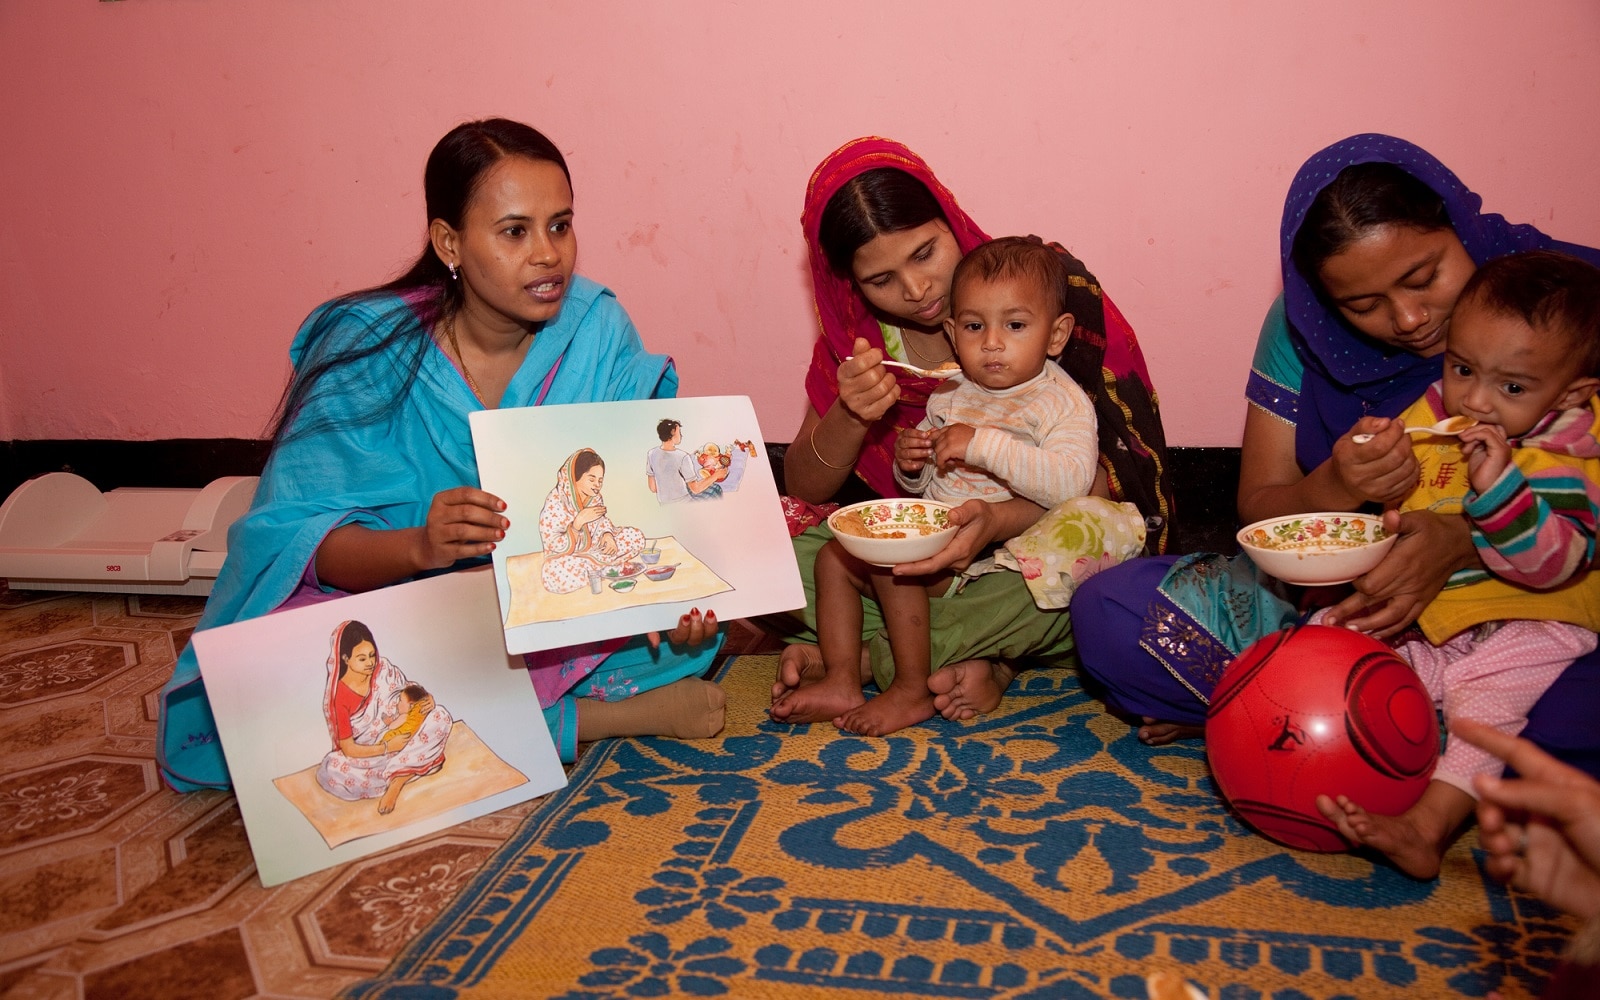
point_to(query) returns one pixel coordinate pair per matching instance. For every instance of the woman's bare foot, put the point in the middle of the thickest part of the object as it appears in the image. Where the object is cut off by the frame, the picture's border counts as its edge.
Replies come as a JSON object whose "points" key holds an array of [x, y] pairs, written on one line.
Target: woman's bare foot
{"points": [[805, 693], [689, 709], [1412, 847], [971, 687], [893, 710], [1155, 733], [391, 795]]}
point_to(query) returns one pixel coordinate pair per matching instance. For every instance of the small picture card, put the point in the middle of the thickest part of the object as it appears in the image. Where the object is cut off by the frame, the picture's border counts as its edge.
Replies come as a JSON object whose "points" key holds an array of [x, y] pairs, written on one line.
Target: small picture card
{"points": [[626, 515]]}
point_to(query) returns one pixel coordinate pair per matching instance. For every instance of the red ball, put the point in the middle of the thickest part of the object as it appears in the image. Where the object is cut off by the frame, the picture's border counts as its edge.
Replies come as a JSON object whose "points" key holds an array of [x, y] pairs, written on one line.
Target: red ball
{"points": [[1315, 711]]}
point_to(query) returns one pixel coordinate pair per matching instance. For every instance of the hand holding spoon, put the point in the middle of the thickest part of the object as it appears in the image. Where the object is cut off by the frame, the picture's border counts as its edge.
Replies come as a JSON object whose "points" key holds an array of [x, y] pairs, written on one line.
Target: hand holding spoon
{"points": [[924, 372], [1448, 427]]}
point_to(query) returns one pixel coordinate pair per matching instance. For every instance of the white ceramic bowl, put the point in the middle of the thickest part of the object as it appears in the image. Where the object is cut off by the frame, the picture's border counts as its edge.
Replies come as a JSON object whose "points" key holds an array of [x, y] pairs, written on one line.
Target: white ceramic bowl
{"points": [[890, 532], [1317, 549]]}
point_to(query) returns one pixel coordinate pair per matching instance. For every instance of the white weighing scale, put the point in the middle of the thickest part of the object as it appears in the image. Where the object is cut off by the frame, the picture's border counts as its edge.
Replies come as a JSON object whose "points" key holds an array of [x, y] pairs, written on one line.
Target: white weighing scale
{"points": [[58, 532]]}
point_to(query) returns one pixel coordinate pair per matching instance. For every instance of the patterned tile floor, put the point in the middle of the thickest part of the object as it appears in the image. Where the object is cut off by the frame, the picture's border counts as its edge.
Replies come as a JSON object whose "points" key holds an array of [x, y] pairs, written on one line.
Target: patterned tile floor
{"points": [[114, 886]]}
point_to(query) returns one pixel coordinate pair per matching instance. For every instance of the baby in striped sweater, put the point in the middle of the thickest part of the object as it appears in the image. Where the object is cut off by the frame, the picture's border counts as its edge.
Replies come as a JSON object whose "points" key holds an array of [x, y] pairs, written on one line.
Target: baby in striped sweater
{"points": [[1522, 353], [1013, 423]]}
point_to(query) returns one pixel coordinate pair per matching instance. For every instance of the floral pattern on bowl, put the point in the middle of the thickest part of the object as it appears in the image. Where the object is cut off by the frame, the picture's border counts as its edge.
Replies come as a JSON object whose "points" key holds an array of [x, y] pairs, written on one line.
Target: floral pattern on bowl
{"points": [[888, 532], [1314, 549], [904, 512], [1318, 531]]}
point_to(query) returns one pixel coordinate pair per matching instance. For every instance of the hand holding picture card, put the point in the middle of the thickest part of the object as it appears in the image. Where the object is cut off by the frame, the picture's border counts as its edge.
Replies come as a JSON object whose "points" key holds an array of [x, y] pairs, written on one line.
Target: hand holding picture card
{"points": [[624, 516], [360, 723]]}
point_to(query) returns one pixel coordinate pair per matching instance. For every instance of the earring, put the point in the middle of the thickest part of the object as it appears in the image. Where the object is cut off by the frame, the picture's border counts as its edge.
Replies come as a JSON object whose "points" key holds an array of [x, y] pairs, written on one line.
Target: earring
{"points": [[454, 273]]}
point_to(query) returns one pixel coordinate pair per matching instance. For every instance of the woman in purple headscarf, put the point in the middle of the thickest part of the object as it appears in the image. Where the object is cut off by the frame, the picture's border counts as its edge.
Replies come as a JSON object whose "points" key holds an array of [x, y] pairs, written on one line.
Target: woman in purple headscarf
{"points": [[1378, 239]]}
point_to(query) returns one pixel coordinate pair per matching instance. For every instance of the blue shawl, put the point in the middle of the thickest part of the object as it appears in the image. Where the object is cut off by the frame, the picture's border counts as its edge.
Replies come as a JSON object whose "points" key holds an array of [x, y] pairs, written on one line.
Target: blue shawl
{"points": [[1348, 375], [340, 469]]}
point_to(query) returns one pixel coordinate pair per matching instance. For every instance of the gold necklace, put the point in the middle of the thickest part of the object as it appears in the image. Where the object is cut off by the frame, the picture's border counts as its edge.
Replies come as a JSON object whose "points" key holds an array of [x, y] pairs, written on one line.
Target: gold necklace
{"points": [[450, 335], [912, 348]]}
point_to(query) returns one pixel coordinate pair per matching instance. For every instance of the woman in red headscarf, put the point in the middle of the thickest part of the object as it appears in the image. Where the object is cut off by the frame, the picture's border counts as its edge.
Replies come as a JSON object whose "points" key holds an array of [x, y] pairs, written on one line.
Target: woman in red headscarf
{"points": [[360, 705], [884, 237]]}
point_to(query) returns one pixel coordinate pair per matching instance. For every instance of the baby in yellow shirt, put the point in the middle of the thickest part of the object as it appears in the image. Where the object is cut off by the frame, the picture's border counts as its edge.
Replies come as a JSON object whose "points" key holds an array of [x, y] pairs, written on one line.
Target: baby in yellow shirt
{"points": [[415, 702]]}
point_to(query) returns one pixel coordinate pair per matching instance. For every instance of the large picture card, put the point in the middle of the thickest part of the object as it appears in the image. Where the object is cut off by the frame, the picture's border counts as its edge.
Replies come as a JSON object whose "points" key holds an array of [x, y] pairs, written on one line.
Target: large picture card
{"points": [[360, 723], [626, 515]]}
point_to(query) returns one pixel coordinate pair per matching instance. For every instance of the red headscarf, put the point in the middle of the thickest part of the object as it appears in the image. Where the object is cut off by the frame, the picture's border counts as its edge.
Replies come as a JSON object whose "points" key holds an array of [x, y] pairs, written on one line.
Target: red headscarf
{"points": [[844, 314], [1103, 356]]}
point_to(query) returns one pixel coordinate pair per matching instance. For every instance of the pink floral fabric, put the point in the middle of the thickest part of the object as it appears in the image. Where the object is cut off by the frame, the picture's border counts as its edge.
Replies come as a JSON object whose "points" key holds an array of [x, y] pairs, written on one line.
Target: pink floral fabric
{"points": [[571, 553], [355, 778]]}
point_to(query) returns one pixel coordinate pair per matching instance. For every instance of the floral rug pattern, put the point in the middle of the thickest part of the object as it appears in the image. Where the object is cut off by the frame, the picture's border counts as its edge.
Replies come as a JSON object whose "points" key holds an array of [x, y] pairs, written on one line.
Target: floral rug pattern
{"points": [[1038, 852]]}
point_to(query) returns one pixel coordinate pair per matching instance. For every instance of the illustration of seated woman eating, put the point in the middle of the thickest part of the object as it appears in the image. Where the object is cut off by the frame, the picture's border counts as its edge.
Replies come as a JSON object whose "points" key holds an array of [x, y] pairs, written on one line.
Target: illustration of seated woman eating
{"points": [[367, 705], [579, 539]]}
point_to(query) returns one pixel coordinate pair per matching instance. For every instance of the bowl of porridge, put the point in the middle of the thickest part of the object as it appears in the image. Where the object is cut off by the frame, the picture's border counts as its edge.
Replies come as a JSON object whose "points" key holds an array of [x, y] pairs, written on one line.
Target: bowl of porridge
{"points": [[1317, 549], [890, 532]]}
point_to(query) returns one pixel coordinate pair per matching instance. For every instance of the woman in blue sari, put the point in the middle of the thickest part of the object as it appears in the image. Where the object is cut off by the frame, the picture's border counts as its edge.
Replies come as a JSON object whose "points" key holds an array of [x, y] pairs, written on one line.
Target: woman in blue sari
{"points": [[372, 480], [1378, 239]]}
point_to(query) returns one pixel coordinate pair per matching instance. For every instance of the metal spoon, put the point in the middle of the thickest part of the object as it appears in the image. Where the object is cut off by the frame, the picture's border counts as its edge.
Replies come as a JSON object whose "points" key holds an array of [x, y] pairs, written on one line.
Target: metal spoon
{"points": [[1448, 427], [924, 372]]}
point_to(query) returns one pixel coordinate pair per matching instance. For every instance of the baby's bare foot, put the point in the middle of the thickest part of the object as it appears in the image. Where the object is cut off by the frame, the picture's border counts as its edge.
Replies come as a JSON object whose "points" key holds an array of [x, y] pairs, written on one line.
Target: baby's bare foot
{"points": [[1413, 850], [804, 691], [799, 665], [824, 699], [890, 712]]}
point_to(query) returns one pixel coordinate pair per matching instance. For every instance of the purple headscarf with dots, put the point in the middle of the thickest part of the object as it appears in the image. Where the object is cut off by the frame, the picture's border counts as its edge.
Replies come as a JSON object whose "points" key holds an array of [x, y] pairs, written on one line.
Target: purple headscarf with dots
{"points": [[1348, 375]]}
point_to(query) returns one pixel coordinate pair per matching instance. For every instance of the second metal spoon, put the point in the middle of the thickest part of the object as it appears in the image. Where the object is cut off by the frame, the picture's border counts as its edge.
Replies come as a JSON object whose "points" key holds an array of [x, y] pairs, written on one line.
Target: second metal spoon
{"points": [[1448, 427]]}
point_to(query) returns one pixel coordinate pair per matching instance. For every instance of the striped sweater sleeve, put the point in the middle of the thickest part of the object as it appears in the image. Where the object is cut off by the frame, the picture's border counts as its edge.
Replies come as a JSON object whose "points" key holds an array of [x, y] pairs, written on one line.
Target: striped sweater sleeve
{"points": [[1536, 529]]}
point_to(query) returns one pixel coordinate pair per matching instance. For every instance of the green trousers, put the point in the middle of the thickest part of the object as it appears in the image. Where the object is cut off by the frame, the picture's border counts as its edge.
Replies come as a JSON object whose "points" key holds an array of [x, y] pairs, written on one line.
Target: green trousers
{"points": [[992, 618]]}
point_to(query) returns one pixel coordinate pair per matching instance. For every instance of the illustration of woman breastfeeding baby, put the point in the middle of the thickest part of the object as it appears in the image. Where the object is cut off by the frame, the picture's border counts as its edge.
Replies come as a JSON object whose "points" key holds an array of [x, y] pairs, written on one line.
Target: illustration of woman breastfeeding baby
{"points": [[579, 539], [374, 755]]}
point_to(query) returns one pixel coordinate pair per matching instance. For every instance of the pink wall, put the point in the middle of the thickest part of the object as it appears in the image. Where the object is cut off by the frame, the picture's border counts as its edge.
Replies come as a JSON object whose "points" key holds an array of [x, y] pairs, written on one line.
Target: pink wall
{"points": [[184, 180]]}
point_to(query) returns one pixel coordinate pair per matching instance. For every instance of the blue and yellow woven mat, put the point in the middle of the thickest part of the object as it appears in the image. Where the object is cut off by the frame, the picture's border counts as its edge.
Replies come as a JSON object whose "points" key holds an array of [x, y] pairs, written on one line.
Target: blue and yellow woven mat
{"points": [[1038, 852]]}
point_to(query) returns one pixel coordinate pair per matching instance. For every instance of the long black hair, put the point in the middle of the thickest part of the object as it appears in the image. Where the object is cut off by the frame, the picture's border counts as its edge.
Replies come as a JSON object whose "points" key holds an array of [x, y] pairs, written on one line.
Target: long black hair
{"points": [[883, 200], [583, 461], [351, 635], [1364, 197], [456, 167]]}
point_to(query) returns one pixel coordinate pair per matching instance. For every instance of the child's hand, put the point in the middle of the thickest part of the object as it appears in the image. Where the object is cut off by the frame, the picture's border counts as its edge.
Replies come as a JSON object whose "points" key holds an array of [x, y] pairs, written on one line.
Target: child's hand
{"points": [[950, 446], [1487, 452], [462, 523], [912, 449]]}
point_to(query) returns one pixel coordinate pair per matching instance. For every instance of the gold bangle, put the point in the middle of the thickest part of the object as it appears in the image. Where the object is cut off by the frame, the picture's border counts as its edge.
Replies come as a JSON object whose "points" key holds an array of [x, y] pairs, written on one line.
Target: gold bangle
{"points": [[837, 468]]}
